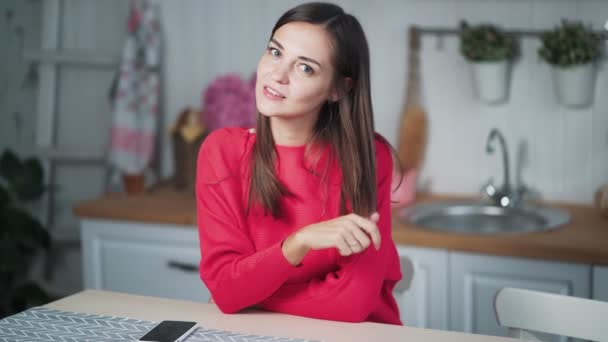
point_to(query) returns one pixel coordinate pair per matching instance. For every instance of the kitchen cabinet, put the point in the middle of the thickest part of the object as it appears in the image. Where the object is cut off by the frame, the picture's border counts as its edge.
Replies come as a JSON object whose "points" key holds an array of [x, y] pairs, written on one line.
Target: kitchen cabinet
{"points": [[475, 279], [600, 283], [140, 258], [424, 304], [455, 291]]}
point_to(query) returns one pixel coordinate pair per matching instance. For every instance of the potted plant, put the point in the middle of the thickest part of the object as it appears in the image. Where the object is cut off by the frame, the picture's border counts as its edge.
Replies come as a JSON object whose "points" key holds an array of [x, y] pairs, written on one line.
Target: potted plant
{"points": [[490, 52], [572, 50], [21, 234]]}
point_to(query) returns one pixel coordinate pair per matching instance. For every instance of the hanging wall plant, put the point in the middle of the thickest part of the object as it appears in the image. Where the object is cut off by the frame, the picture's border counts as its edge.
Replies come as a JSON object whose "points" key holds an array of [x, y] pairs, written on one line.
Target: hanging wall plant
{"points": [[572, 50], [490, 52]]}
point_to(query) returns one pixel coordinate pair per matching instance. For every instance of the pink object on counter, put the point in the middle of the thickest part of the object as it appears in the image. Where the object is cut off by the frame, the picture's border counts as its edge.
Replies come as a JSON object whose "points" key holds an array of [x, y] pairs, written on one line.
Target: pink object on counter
{"points": [[405, 194]]}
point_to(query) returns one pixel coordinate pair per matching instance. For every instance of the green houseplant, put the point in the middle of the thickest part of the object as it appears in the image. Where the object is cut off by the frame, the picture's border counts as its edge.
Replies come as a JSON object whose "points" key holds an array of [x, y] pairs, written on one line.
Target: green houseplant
{"points": [[22, 236], [572, 49], [489, 52]]}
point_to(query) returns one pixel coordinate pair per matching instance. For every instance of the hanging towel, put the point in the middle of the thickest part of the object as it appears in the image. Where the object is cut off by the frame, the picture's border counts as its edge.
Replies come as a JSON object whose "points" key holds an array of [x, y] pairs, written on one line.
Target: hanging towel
{"points": [[136, 91]]}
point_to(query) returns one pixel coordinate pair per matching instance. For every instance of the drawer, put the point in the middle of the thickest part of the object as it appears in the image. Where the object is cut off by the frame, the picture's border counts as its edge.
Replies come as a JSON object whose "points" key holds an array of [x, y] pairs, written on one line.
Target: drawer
{"points": [[145, 259]]}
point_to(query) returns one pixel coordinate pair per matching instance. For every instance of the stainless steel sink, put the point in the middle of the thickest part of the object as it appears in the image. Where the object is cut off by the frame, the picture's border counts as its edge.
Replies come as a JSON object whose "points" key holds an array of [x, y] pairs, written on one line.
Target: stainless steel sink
{"points": [[483, 218]]}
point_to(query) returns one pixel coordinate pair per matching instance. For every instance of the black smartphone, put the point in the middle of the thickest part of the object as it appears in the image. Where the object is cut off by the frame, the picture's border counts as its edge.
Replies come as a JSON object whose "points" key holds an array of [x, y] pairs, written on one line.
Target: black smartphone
{"points": [[169, 331]]}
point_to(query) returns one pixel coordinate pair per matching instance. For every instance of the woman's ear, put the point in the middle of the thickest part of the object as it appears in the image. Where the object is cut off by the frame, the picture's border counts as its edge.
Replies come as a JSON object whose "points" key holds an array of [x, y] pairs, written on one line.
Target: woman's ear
{"points": [[347, 85], [333, 96]]}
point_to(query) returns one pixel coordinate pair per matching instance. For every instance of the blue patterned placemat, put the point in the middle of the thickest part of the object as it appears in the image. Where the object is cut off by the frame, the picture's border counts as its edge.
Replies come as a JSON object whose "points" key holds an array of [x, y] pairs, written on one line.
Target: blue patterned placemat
{"points": [[44, 324]]}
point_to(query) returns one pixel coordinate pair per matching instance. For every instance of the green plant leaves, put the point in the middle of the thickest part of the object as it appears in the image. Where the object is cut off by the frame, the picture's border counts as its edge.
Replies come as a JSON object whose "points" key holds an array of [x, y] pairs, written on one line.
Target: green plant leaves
{"points": [[33, 186], [21, 234], [29, 294], [10, 166], [5, 198], [569, 44], [486, 43], [24, 179], [11, 260], [24, 230]]}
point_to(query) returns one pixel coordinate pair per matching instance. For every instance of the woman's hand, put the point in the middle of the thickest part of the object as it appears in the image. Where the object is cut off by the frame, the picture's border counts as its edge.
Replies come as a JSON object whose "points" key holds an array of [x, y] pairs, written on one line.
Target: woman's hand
{"points": [[350, 234]]}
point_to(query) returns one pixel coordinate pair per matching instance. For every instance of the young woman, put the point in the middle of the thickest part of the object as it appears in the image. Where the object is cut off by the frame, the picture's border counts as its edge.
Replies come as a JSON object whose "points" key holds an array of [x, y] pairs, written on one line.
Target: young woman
{"points": [[294, 215]]}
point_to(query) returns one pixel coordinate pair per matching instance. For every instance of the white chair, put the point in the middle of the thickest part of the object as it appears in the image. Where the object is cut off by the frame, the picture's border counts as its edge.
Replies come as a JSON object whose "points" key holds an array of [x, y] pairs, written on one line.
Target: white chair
{"points": [[525, 310]]}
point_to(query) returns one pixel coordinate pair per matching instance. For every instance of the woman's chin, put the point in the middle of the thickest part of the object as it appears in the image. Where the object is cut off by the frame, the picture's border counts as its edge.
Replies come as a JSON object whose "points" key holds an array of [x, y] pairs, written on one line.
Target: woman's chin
{"points": [[268, 111], [262, 107]]}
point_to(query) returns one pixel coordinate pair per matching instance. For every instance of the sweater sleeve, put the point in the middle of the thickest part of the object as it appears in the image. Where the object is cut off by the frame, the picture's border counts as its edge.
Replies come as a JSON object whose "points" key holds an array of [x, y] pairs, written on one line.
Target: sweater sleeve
{"points": [[353, 291], [235, 273]]}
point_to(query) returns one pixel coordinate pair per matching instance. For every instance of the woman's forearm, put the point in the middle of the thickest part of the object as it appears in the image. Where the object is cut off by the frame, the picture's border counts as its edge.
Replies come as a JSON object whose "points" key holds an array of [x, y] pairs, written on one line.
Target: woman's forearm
{"points": [[294, 250]]}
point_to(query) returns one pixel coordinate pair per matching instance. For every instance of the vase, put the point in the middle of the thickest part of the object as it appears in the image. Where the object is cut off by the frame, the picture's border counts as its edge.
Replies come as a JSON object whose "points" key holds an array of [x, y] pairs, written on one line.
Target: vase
{"points": [[133, 183], [601, 200], [491, 81], [574, 85]]}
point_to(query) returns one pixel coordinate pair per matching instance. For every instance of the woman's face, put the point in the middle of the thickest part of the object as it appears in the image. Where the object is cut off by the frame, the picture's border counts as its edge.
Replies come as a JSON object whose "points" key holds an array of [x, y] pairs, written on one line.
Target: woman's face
{"points": [[295, 74]]}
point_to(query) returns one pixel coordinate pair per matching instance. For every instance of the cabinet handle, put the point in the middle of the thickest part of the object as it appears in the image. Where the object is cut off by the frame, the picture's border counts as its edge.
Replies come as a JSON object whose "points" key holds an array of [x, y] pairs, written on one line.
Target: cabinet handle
{"points": [[182, 266]]}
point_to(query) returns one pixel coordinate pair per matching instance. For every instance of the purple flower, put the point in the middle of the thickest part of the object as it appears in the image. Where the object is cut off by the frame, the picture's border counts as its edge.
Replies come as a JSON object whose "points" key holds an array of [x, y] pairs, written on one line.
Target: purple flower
{"points": [[229, 101]]}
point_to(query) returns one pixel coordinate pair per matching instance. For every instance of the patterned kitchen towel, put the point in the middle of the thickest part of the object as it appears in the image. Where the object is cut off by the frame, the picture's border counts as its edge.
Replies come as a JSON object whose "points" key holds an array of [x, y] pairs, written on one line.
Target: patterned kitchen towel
{"points": [[136, 97], [43, 324]]}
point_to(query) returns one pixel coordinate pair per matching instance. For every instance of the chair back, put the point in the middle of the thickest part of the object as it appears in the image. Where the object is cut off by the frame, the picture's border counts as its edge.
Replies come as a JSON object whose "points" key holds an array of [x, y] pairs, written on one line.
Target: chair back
{"points": [[525, 310]]}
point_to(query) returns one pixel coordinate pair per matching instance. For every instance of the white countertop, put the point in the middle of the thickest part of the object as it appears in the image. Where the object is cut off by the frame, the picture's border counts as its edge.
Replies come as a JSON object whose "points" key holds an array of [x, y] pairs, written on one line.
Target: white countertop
{"points": [[252, 322]]}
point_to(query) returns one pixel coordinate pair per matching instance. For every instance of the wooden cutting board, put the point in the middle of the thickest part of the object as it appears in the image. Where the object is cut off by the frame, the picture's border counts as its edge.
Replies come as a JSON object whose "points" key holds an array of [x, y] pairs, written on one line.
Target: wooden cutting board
{"points": [[413, 127]]}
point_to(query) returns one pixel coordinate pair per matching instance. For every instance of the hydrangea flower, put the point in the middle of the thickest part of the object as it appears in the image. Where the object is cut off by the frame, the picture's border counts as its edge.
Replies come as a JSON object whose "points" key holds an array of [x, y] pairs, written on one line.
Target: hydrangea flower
{"points": [[229, 101]]}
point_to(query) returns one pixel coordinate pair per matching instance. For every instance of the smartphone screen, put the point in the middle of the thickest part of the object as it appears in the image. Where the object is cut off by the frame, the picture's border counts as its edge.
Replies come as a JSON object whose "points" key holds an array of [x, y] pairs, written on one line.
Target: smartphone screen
{"points": [[169, 331]]}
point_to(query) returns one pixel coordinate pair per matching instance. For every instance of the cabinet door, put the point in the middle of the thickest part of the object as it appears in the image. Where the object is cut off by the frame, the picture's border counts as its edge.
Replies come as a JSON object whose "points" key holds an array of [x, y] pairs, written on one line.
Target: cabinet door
{"points": [[476, 278], [600, 283], [145, 259], [424, 303]]}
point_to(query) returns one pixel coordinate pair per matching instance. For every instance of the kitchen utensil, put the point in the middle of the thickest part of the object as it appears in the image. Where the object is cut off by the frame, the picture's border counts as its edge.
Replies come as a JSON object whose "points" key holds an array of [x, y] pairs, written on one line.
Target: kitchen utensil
{"points": [[412, 134], [413, 128]]}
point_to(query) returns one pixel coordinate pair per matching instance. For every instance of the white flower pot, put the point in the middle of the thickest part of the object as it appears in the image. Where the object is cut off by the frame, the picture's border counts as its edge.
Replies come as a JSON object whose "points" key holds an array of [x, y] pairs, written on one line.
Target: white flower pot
{"points": [[491, 81], [575, 85]]}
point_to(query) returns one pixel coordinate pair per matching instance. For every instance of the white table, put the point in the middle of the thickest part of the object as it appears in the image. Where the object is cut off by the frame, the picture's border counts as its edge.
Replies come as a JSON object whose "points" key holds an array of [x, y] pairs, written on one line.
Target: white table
{"points": [[253, 322]]}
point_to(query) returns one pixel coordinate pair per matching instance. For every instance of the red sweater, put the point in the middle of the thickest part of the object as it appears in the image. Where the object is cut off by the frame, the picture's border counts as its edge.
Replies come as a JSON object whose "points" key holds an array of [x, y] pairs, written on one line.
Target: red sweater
{"points": [[242, 263]]}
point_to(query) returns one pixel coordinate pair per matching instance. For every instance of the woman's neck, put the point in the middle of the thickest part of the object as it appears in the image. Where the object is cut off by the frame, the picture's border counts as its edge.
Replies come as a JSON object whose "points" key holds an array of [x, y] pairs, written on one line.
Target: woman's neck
{"points": [[291, 131]]}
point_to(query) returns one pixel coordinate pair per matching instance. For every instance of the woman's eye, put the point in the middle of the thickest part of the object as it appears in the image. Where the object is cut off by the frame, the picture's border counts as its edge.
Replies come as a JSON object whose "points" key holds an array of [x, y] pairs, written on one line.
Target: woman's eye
{"points": [[306, 69], [274, 51]]}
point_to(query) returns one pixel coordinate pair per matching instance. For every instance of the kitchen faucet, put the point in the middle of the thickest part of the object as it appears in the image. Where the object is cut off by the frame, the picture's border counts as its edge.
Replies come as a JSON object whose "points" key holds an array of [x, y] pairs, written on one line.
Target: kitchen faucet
{"points": [[505, 195]]}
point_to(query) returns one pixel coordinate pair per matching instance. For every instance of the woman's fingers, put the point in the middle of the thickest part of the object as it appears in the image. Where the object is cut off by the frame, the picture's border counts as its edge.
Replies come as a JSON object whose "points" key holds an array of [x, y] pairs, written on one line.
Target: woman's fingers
{"points": [[361, 238], [369, 227], [348, 235], [375, 217], [353, 244], [343, 247]]}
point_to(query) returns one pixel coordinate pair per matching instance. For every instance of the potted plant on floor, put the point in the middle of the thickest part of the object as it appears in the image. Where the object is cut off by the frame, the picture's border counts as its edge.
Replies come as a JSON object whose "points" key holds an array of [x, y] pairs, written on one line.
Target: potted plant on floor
{"points": [[572, 50], [490, 52], [22, 236]]}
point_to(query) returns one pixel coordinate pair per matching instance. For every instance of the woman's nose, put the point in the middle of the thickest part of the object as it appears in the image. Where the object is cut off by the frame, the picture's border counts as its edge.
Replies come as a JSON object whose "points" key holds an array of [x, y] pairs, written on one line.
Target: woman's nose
{"points": [[280, 73]]}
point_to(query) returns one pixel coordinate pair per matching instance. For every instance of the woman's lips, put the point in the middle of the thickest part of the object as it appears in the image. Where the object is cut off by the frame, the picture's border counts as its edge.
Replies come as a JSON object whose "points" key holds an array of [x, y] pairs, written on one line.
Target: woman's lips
{"points": [[272, 94]]}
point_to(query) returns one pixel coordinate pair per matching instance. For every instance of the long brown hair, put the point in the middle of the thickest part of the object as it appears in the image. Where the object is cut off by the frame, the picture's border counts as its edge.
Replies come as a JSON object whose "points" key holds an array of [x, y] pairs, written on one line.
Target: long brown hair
{"points": [[346, 125]]}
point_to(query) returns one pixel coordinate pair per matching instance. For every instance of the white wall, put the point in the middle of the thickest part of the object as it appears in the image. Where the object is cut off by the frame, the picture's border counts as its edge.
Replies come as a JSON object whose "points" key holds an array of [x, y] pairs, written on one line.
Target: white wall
{"points": [[567, 149]]}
